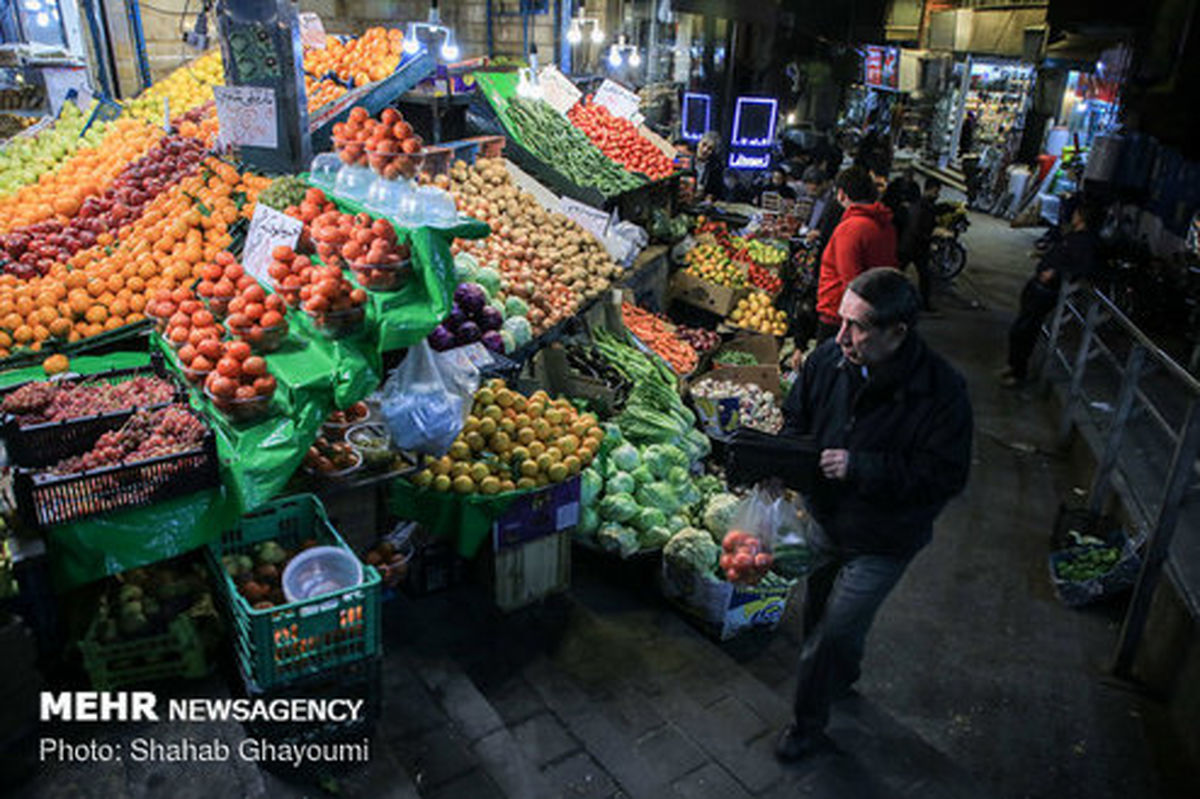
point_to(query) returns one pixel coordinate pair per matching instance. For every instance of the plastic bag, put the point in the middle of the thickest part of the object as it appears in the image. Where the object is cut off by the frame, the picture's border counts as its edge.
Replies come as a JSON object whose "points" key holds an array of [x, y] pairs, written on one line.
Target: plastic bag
{"points": [[424, 407], [746, 550]]}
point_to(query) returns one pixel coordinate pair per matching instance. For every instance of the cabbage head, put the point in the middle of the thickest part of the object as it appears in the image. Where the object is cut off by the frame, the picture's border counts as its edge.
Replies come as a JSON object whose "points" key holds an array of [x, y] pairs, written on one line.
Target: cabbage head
{"points": [[678, 476], [590, 486], [489, 278], [589, 521], [676, 523], [620, 483], [643, 475], [649, 517], [625, 457], [654, 538], [658, 495], [661, 458], [618, 508]]}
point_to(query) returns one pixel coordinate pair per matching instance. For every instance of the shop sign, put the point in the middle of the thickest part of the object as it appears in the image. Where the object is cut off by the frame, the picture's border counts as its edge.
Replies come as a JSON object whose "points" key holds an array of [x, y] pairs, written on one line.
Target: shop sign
{"points": [[247, 116], [881, 67], [744, 160], [268, 229], [620, 101], [557, 89], [697, 116]]}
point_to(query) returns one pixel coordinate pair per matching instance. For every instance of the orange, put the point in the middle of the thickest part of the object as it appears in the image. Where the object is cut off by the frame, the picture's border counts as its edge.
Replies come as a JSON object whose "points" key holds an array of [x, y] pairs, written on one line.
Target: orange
{"points": [[96, 314]]}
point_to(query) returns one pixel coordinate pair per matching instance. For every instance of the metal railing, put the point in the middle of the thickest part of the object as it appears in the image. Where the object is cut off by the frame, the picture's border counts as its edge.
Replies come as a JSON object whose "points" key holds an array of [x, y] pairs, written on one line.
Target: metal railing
{"points": [[1089, 332]]}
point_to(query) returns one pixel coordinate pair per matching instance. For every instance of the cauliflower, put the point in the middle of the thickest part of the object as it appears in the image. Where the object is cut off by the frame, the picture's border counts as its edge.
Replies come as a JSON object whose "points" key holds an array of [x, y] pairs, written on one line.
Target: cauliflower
{"points": [[718, 514], [618, 538], [692, 549]]}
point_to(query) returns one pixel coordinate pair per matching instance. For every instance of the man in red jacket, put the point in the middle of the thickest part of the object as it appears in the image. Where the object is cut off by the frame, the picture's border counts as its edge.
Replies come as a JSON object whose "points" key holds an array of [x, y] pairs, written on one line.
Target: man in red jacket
{"points": [[864, 239]]}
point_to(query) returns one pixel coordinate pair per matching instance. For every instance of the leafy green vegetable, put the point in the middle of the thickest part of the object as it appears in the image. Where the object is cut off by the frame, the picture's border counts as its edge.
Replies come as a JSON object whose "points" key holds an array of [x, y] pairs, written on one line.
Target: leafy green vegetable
{"points": [[654, 538], [658, 495], [618, 538], [590, 486], [620, 483], [678, 476], [692, 549], [626, 457], [589, 521], [643, 475], [618, 507], [649, 517]]}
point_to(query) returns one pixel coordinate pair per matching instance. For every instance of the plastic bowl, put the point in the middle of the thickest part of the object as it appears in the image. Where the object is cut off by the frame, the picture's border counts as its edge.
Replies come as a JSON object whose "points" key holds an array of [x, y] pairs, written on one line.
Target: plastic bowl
{"points": [[383, 277], [262, 339], [337, 474], [320, 570], [374, 442], [196, 378], [394, 166], [352, 152], [241, 410], [336, 431], [160, 322], [336, 324]]}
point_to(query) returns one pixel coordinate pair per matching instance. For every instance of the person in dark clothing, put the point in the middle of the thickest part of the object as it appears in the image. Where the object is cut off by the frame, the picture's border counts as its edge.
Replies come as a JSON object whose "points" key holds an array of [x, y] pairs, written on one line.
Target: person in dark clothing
{"points": [[1073, 257], [892, 423], [778, 183], [916, 238], [826, 211], [710, 168], [966, 137]]}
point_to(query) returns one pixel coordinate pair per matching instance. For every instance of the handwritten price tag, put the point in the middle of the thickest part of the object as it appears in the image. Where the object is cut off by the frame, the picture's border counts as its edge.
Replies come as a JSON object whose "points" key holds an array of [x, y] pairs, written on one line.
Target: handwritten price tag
{"points": [[247, 115], [617, 99], [268, 229], [312, 31], [558, 90]]}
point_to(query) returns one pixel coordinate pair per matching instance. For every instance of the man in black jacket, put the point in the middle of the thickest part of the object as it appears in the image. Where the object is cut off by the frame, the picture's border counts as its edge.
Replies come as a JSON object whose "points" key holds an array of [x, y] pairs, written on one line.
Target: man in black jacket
{"points": [[891, 420], [1073, 257]]}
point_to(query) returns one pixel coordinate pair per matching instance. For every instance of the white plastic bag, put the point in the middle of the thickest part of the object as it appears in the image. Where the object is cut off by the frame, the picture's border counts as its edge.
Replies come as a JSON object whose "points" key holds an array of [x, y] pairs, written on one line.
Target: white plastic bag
{"points": [[423, 406]]}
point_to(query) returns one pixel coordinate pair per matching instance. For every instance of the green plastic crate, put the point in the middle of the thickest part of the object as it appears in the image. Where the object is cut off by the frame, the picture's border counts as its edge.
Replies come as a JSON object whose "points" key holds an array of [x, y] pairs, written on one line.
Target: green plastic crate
{"points": [[176, 653], [292, 641]]}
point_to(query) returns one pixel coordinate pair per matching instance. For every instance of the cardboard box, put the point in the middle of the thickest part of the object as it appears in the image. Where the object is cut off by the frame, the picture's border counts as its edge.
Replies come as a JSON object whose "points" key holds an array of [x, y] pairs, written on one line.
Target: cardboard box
{"points": [[763, 347], [721, 417], [523, 574], [724, 609], [701, 294], [561, 379]]}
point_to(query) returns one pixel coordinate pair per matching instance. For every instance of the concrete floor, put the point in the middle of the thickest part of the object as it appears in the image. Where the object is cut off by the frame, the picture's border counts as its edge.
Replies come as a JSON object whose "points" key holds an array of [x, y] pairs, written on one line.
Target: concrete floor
{"points": [[977, 683]]}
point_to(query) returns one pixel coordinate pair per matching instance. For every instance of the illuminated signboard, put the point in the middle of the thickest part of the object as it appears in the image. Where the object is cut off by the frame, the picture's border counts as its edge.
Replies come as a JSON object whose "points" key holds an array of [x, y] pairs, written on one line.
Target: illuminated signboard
{"points": [[697, 116], [881, 67], [754, 122], [745, 160]]}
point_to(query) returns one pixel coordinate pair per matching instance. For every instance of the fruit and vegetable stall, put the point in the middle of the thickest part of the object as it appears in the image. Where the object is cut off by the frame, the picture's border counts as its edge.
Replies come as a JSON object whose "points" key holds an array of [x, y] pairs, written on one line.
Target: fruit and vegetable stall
{"points": [[411, 356]]}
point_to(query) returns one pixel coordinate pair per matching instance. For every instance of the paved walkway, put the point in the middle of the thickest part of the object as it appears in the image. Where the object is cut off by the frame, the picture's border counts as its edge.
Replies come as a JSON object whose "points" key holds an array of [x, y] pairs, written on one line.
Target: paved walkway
{"points": [[977, 682]]}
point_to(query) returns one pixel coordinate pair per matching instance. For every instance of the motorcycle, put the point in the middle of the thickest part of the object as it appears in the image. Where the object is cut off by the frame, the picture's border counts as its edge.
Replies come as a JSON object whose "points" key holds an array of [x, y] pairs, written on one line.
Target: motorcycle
{"points": [[947, 255]]}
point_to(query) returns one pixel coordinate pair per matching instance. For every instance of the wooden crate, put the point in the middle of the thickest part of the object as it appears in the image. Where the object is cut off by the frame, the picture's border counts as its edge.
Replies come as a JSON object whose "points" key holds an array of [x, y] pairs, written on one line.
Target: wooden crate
{"points": [[521, 575]]}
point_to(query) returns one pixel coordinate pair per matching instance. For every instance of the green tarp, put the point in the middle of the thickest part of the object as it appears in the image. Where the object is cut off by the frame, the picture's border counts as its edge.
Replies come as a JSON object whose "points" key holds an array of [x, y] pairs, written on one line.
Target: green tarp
{"points": [[465, 518]]}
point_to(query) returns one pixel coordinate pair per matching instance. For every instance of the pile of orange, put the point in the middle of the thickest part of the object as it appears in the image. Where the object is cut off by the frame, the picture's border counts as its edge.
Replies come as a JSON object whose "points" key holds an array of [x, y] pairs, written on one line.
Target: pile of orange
{"points": [[369, 58], [107, 286], [322, 92], [60, 193], [205, 129]]}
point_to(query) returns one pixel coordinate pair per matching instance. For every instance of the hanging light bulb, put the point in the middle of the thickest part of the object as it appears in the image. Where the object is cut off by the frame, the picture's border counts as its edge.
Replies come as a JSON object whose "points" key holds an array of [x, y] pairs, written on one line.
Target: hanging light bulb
{"points": [[574, 35], [614, 57], [449, 48], [411, 45], [635, 58], [597, 34]]}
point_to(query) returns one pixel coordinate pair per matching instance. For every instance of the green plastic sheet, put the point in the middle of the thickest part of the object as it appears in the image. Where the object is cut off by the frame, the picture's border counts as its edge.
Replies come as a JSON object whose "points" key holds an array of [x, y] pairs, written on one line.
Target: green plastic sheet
{"points": [[466, 518], [314, 375]]}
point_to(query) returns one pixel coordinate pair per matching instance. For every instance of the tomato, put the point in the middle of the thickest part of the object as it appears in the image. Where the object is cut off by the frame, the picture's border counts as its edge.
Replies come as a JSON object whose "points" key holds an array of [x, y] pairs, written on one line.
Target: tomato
{"points": [[228, 367], [238, 350], [254, 366]]}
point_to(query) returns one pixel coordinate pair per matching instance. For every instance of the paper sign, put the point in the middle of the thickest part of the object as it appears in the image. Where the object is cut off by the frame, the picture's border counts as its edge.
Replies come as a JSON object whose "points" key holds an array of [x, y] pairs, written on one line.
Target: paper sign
{"points": [[590, 219], [558, 90], [617, 99], [312, 32], [247, 115], [268, 229]]}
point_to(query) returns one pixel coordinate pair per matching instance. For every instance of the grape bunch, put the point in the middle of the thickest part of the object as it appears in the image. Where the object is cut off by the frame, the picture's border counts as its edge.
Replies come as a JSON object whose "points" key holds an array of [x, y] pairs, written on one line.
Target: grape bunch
{"points": [[147, 434], [44, 401]]}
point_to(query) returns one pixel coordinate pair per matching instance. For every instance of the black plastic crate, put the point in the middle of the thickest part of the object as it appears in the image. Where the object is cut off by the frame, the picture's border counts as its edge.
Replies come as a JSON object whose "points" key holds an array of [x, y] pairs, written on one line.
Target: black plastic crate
{"points": [[48, 443], [45, 499]]}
